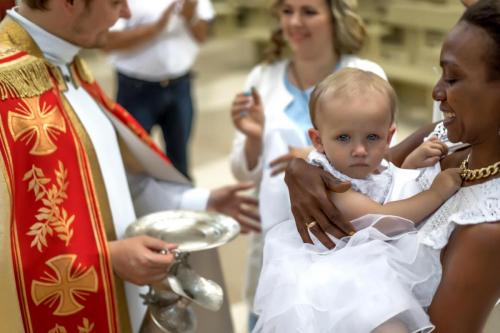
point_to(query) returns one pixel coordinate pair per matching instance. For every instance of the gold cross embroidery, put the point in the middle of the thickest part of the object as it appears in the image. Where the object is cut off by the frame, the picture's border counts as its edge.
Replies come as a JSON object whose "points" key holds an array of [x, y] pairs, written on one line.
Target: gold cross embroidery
{"points": [[41, 122], [66, 286]]}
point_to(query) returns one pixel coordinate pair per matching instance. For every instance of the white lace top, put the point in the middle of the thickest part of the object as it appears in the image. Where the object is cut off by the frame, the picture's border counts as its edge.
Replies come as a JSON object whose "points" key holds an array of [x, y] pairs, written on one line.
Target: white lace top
{"points": [[376, 186], [442, 134], [470, 205]]}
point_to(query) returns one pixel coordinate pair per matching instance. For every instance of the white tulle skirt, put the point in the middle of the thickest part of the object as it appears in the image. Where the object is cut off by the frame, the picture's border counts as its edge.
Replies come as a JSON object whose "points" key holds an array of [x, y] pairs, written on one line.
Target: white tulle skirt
{"points": [[379, 275]]}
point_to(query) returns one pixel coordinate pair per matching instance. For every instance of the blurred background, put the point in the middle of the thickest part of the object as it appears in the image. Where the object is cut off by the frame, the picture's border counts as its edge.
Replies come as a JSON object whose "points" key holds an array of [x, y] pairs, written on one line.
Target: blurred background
{"points": [[404, 37]]}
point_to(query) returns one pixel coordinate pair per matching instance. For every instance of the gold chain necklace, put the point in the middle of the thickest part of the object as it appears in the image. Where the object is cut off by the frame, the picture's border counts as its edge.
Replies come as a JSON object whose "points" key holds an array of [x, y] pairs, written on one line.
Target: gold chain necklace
{"points": [[475, 174]]}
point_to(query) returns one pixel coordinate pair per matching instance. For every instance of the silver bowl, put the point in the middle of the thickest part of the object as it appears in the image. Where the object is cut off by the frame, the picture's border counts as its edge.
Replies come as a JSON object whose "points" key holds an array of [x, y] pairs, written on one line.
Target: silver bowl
{"points": [[192, 231]]}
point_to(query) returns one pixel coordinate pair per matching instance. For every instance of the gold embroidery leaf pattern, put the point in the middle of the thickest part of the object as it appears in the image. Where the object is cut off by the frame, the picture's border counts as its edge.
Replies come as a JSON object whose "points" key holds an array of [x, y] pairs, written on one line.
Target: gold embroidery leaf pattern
{"points": [[87, 326], [52, 217], [58, 329]]}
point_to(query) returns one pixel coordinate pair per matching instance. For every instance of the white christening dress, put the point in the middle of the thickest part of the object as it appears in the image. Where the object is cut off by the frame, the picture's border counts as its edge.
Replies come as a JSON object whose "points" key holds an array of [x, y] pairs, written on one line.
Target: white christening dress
{"points": [[386, 271]]}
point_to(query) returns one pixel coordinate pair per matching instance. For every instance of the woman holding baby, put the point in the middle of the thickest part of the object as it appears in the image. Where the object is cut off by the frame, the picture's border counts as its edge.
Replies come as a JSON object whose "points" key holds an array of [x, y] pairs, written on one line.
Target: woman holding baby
{"points": [[465, 231]]}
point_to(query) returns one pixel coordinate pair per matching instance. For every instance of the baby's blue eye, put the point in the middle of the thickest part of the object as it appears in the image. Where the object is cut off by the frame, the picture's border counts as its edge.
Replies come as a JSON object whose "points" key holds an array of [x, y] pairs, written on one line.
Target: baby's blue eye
{"points": [[343, 138], [373, 137]]}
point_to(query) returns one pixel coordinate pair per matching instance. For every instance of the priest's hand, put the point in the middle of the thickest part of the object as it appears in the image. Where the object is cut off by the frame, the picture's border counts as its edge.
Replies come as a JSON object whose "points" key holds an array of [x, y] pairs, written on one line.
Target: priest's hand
{"points": [[138, 259], [230, 201], [308, 186]]}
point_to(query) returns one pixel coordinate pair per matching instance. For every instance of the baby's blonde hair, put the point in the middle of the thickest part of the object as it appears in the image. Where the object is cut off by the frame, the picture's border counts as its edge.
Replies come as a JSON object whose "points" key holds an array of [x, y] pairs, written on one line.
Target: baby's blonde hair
{"points": [[351, 82]]}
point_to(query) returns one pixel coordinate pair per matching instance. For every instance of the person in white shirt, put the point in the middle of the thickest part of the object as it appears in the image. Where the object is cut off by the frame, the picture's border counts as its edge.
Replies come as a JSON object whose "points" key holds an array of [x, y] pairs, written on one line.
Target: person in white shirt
{"points": [[75, 170], [156, 49]]}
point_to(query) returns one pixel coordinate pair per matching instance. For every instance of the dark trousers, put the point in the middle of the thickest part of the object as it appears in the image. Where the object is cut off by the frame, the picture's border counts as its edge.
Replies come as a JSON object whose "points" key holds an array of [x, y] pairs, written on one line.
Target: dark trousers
{"points": [[168, 105]]}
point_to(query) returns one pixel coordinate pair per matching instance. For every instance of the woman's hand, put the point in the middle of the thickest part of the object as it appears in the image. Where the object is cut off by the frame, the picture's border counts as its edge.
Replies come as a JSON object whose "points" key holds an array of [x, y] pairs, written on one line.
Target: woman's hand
{"points": [[427, 154], [247, 114], [308, 186], [279, 164], [228, 200], [138, 259]]}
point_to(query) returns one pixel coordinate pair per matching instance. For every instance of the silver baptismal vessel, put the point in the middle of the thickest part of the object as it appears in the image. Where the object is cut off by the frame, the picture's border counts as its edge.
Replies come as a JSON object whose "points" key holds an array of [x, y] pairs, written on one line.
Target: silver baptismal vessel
{"points": [[169, 300]]}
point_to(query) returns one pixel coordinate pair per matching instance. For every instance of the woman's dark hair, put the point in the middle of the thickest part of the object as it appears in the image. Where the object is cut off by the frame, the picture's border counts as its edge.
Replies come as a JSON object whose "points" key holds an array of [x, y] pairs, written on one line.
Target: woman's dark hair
{"points": [[485, 14]]}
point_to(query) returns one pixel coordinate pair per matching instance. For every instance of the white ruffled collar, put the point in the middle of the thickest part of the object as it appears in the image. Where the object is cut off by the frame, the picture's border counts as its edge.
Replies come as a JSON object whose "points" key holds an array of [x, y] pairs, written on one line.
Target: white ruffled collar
{"points": [[375, 186]]}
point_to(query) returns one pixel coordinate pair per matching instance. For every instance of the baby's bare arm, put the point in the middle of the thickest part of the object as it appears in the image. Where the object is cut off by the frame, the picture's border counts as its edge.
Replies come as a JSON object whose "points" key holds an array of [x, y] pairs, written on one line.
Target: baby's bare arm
{"points": [[353, 204]]}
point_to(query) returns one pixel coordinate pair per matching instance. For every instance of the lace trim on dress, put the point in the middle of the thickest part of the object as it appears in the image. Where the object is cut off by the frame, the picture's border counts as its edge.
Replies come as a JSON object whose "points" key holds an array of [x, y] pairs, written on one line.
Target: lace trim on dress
{"points": [[439, 132], [375, 186], [470, 205], [427, 175]]}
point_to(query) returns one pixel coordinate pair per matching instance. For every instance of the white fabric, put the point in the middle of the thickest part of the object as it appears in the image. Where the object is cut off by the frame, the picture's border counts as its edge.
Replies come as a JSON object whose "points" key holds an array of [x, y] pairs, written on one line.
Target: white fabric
{"points": [[470, 205], [379, 274], [369, 277], [172, 53], [442, 134], [279, 133], [375, 186], [104, 139]]}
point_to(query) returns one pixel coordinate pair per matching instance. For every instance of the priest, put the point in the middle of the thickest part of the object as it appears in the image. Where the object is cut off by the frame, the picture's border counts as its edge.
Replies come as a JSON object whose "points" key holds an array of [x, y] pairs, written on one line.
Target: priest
{"points": [[75, 170]]}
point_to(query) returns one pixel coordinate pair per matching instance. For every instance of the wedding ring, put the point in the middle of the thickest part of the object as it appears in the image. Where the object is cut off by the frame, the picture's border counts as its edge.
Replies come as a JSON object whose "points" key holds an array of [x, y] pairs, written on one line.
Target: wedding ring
{"points": [[310, 225], [164, 251]]}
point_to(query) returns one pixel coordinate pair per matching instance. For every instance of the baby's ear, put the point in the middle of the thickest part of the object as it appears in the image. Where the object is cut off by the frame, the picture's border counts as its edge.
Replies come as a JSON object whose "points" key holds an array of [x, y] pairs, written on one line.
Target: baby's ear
{"points": [[316, 139], [392, 130]]}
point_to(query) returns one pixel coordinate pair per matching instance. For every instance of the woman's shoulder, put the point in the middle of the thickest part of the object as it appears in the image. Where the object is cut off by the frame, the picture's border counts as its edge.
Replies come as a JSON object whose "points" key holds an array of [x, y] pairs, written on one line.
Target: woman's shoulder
{"points": [[349, 60]]}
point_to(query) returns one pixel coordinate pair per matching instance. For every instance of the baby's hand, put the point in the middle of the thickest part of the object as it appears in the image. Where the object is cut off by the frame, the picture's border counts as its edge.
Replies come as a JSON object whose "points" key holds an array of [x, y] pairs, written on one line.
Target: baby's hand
{"points": [[447, 183], [427, 154]]}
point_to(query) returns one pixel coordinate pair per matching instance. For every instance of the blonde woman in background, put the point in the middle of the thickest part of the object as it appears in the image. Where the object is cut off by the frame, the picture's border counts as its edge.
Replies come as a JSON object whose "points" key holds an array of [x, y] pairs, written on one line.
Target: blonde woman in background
{"points": [[271, 115]]}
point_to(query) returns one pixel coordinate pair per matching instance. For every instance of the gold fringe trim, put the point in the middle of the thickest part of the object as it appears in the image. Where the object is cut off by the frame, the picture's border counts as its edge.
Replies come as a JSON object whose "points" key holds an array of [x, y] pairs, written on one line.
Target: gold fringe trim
{"points": [[25, 77]]}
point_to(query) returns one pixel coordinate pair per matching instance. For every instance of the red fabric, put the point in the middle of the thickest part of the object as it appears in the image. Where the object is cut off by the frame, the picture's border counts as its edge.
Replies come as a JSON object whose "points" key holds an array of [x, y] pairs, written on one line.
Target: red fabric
{"points": [[118, 111], [15, 56], [4, 5], [52, 189]]}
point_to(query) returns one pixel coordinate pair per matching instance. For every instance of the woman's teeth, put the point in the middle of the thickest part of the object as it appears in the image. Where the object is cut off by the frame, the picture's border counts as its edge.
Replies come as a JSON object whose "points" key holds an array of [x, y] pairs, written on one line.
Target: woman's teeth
{"points": [[449, 115]]}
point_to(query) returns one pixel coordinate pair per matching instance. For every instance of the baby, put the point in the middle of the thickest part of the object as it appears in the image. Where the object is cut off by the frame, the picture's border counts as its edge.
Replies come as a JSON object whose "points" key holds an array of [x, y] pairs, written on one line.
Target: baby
{"points": [[376, 280]]}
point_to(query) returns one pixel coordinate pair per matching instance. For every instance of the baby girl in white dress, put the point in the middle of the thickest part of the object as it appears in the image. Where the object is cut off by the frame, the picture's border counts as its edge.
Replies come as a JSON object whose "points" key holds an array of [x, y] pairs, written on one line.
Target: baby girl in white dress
{"points": [[376, 280]]}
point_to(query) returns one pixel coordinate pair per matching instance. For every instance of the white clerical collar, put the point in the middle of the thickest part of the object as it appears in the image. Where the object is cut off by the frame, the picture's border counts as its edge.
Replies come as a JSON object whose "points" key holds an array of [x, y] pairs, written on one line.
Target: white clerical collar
{"points": [[56, 50]]}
